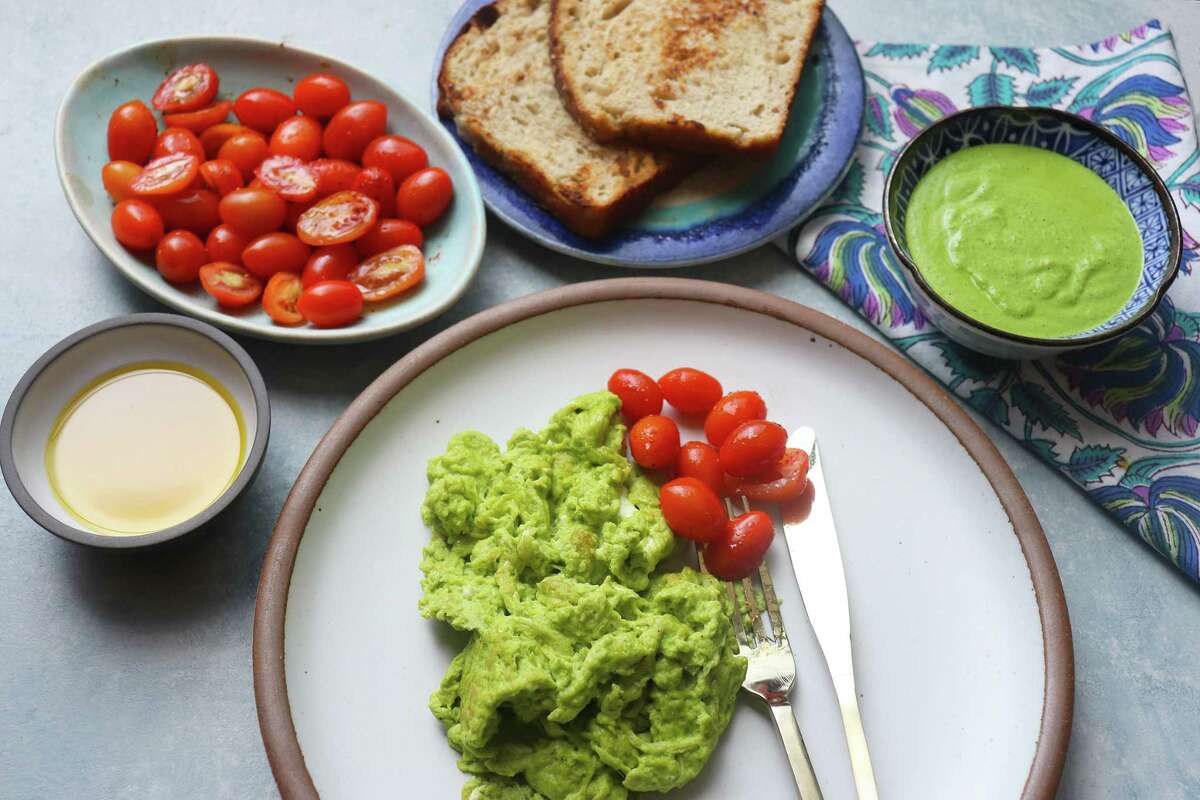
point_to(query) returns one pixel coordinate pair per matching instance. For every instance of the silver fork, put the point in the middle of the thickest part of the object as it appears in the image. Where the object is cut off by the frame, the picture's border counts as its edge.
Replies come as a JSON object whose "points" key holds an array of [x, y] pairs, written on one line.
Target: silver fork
{"points": [[770, 667]]}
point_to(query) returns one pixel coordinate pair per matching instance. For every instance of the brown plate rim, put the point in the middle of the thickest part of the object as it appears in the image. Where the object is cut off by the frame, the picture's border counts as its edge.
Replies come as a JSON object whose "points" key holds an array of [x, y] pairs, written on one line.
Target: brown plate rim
{"points": [[270, 685]]}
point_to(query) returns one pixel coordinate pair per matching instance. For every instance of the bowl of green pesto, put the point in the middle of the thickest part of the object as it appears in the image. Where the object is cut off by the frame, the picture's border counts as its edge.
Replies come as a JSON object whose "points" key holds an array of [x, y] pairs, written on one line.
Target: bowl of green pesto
{"points": [[1027, 232]]}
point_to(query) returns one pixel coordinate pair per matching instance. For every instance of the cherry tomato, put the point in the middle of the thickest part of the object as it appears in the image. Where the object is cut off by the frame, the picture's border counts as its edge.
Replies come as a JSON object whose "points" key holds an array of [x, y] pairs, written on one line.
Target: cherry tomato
{"points": [[741, 546], [330, 263], [229, 284], [730, 411], [290, 177], [334, 175], [179, 256], [217, 135], [787, 482], [247, 150], [640, 395], [424, 195], [117, 177], [186, 89], [690, 390], [263, 109], [377, 184], [281, 297], [201, 120], [399, 156], [331, 304], [132, 133], [137, 224], [654, 442], [226, 243], [753, 449], [166, 175], [294, 212], [275, 252], [700, 460], [692, 509], [193, 209], [389, 273], [321, 94], [341, 217], [253, 211], [387, 234], [299, 137], [353, 127], [221, 176], [178, 140]]}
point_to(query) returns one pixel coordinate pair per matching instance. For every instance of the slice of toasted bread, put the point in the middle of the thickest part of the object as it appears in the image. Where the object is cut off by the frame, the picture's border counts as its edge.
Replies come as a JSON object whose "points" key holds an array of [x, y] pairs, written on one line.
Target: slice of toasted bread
{"points": [[497, 83], [711, 76]]}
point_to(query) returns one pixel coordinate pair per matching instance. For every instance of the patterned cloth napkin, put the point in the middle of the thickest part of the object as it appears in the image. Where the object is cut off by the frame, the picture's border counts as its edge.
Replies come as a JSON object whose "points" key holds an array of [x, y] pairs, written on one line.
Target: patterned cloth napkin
{"points": [[1122, 420]]}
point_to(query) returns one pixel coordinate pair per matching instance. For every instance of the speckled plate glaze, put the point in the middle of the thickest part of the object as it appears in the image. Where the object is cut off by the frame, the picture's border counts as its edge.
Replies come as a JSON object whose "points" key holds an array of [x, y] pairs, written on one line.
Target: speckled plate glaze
{"points": [[716, 213]]}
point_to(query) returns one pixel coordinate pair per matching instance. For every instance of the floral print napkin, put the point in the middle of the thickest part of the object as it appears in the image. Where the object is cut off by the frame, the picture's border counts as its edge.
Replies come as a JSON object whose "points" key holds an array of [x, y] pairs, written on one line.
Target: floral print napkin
{"points": [[1122, 420]]}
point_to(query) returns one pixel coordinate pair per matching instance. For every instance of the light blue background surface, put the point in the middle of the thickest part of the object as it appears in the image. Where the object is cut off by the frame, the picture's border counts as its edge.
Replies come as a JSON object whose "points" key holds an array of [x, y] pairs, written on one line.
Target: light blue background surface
{"points": [[129, 677]]}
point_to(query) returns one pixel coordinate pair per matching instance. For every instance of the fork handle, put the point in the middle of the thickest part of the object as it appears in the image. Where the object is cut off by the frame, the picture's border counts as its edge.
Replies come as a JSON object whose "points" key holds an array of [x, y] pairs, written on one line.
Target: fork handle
{"points": [[793, 743]]}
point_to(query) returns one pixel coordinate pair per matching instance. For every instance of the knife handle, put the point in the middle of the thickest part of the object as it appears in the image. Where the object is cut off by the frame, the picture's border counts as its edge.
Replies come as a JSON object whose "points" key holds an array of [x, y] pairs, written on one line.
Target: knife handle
{"points": [[856, 742]]}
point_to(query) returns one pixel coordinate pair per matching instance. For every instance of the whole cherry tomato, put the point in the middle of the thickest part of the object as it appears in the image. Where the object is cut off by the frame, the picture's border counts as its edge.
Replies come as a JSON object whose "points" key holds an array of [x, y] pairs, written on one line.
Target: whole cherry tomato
{"points": [[299, 137], [117, 177], [132, 133], [753, 449], [690, 390], [353, 127], [186, 89], [730, 411], [166, 175], [178, 140], [290, 177], [787, 482], [331, 304], [201, 119], [741, 546], [692, 509], [321, 94], [399, 156], [376, 183], [226, 243], [212, 138], [253, 211], [700, 460], [137, 224], [221, 176], [334, 175], [330, 263], [339, 218], [389, 273], [424, 195], [640, 395], [275, 252], [193, 209], [230, 285], [388, 233], [179, 256], [246, 149], [281, 297], [263, 109], [654, 442]]}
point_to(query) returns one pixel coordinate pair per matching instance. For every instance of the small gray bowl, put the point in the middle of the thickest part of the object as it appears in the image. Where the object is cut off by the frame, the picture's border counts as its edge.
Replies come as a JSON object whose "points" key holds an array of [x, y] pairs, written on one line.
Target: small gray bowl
{"points": [[1131, 177], [54, 379]]}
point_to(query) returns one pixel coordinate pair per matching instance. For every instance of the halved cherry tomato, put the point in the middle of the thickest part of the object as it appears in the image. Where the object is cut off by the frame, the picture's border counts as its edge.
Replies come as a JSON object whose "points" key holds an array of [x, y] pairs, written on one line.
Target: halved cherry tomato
{"points": [[692, 509], [331, 304], [341, 217], [217, 135], [226, 243], [186, 89], [253, 211], [299, 137], [640, 395], [788, 481], [399, 156], [730, 411], [387, 234], [193, 209], [137, 224], [201, 119], [132, 133], [221, 175], [389, 273], [741, 546], [117, 177], [700, 460], [654, 442], [330, 263], [179, 256], [334, 175], [294, 212], [690, 390], [229, 284], [321, 94], [353, 127], [753, 449], [290, 177], [281, 297], [275, 252], [424, 195], [166, 175], [377, 184], [263, 109], [246, 149], [178, 140]]}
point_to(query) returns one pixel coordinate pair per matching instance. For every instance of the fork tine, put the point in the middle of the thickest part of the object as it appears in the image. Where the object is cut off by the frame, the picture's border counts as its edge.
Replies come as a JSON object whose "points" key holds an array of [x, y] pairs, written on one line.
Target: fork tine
{"points": [[739, 630], [748, 593], [772, 601]]}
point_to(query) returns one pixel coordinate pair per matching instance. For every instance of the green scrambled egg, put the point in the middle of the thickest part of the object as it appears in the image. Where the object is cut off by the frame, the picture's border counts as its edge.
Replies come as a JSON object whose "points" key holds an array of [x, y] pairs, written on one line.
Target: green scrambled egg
{"points": [[587, 675]]}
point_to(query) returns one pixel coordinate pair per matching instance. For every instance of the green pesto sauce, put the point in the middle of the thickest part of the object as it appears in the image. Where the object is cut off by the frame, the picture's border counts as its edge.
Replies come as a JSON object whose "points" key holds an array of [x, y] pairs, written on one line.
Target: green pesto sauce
{"points": [[1024, 240], [588, 674]]}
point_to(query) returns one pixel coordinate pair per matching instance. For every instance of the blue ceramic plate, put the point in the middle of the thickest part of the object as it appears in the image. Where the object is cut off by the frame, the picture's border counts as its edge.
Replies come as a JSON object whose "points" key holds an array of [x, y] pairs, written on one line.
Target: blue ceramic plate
{"points": [[716, 213]]}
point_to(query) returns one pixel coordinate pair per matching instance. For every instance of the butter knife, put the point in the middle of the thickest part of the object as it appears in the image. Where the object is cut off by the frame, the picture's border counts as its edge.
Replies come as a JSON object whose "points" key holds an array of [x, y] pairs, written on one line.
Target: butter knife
{"points": [[817, 560]]}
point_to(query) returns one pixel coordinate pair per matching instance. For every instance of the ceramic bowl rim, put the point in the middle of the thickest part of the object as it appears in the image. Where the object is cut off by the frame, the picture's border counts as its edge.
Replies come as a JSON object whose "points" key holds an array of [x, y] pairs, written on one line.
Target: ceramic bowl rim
{"points": [[71, 533], [1174, 231], [475, 232]]}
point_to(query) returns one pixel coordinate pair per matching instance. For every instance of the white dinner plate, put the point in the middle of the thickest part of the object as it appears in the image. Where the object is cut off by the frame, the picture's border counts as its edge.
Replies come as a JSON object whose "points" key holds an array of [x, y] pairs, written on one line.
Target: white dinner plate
{"points": [[963, 646]]}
